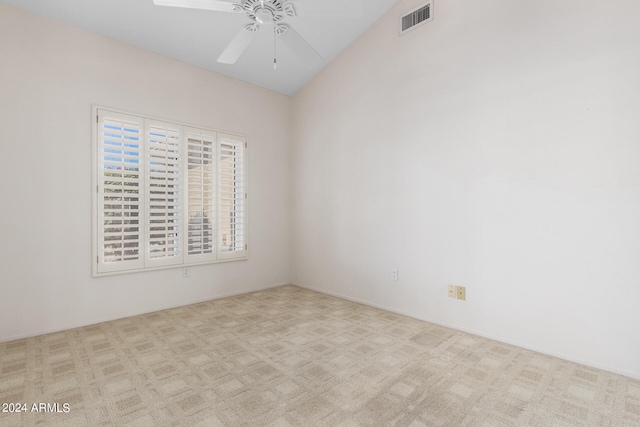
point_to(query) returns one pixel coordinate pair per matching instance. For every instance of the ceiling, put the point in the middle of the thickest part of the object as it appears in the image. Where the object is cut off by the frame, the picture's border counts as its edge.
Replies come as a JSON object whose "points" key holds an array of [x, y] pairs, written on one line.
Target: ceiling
{"points": [[198, 37]]}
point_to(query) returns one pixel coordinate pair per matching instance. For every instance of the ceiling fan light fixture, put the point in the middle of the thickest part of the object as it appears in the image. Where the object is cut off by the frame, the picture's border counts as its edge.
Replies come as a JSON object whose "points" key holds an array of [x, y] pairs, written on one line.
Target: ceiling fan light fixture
{"points": [[264, 16]]}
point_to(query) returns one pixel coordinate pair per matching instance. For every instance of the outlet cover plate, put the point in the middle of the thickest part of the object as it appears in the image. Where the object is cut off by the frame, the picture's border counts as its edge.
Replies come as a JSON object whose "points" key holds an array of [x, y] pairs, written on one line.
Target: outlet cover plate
{"points": [[452, 291]]}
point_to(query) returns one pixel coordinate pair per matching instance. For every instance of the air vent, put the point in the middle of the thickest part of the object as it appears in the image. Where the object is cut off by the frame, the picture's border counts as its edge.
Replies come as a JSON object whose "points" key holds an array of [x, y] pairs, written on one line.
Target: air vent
{"points": [[417, 17]]}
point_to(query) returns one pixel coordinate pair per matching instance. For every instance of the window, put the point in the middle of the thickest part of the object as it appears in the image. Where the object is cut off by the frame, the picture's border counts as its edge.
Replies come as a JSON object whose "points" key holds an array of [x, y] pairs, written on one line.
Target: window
{"points": [[166, 194]]}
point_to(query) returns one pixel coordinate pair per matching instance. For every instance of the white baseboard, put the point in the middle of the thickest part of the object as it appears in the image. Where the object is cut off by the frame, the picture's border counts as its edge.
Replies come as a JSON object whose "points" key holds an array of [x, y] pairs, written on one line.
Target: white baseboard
{"points": [[108, 319], [634, 375]]}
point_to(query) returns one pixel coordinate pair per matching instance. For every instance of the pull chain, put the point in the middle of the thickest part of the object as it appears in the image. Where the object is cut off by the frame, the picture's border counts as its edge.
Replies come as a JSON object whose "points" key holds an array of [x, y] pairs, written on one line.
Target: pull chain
{"points": [[275, 64]]}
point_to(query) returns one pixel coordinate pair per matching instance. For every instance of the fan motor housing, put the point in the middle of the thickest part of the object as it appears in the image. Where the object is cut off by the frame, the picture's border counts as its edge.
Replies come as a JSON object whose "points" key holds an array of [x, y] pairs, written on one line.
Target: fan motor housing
{"points": [[267, 11]]}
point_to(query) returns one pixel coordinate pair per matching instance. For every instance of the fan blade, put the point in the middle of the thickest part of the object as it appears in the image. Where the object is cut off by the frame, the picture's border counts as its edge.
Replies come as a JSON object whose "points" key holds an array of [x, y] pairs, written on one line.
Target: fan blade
{"points": [[237, 46], [218, 5], [298, 45], [334, 8]]}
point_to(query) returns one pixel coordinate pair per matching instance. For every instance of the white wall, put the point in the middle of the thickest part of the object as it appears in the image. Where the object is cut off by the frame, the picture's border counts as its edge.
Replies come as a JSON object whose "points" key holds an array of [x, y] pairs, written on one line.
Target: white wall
{"points": [[497, 148], [50, 74]]}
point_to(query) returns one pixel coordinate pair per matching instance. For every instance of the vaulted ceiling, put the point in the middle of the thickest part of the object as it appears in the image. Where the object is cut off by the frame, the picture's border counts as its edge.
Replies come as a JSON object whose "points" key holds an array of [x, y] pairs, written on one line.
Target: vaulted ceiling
{"points": [[198, 37]]}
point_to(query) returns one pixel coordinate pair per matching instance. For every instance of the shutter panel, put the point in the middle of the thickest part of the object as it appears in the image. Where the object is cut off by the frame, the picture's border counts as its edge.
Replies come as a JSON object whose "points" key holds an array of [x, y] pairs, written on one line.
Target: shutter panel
{"points": [[201, 194], [231, 203], [119, 207], [164, 208]]}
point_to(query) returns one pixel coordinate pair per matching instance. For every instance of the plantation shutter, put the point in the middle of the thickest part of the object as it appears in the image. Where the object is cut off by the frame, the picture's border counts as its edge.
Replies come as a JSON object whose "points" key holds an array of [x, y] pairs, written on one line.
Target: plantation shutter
{"points": [[119, 205], [164, 208], [201, 195], [232, 197], [166, 194]]}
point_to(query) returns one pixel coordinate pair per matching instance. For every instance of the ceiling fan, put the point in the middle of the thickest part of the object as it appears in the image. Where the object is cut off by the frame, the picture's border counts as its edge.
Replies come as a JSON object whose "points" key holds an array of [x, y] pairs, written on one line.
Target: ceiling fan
{"points": [[261, 12]]}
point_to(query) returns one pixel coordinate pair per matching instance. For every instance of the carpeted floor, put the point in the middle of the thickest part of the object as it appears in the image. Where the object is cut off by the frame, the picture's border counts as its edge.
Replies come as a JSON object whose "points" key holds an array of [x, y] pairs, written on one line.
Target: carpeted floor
{"points": [[292, 357]]}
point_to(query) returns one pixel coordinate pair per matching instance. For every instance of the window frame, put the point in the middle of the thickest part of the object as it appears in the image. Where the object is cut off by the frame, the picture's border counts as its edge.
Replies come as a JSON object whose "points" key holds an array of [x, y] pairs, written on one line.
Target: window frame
{"points": [[240, 196]]}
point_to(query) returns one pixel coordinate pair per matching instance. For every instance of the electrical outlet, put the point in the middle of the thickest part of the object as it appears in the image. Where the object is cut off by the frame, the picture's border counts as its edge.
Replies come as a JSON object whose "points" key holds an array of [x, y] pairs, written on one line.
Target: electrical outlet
{"points": [[452, 291], [394, 274], [186, 272], [461, 292]]}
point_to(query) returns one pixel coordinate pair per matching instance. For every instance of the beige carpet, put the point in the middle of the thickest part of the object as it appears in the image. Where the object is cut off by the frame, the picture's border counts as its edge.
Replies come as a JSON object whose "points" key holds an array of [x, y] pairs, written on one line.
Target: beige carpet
{"points": [[292, 357]]}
